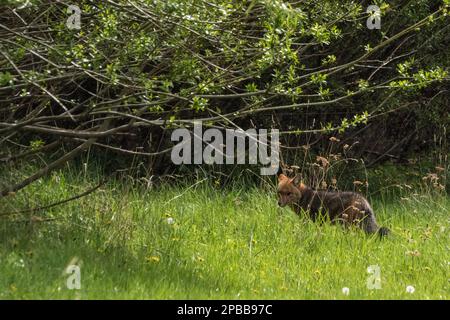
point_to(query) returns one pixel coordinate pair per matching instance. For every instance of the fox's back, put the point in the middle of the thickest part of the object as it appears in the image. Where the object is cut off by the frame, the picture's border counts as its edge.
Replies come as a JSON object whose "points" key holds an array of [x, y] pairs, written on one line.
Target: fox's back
{"points": [[334, 202]]}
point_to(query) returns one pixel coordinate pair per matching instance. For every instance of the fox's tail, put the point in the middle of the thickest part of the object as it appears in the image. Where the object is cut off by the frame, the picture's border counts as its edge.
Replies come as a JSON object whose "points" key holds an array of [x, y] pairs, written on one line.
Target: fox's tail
{"points": [[383, 231]]}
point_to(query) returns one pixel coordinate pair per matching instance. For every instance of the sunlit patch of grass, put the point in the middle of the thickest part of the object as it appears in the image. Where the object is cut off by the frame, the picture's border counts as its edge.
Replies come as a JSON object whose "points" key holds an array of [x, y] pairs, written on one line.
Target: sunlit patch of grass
{"points": [[203, 242]]}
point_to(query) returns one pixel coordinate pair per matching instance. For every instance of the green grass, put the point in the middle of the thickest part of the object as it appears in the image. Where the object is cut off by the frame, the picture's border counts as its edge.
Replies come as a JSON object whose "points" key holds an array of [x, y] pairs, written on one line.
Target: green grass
{"points": [[223, 244]]}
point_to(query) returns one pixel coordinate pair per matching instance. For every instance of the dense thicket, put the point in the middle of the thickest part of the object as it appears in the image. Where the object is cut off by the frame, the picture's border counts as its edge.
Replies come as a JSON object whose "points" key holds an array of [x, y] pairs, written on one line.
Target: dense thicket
{"points": [[135, 70]]}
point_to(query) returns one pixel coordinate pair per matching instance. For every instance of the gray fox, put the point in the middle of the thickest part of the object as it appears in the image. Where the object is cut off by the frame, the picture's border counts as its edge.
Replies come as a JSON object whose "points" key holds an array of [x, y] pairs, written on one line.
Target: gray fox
{"points": [[345, 207]]}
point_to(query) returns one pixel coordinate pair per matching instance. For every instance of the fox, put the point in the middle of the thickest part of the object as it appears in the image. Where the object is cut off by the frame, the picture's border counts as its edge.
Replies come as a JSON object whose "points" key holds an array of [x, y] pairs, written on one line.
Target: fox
{"points": [[348, 208]]}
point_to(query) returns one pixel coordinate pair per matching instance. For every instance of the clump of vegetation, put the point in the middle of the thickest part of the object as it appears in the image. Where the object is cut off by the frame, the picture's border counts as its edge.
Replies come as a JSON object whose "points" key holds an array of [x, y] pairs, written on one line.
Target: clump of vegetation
{"points": [[198, 241], [117, 76]]}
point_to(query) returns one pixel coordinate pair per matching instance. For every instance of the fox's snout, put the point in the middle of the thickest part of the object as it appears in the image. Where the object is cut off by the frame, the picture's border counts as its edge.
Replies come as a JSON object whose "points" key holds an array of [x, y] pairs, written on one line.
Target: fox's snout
{"points": [[285, 198], [282, 202]]}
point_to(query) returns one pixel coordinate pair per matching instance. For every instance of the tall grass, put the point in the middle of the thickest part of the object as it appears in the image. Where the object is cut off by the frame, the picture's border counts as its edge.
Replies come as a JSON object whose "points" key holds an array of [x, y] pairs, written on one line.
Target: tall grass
{"points": [[197, 240]]}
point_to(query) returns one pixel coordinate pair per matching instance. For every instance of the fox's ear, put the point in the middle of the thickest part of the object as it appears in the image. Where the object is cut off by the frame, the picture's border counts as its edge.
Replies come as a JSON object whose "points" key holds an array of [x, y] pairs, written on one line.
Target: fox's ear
{"points": [[280, 174], [297, 180]]}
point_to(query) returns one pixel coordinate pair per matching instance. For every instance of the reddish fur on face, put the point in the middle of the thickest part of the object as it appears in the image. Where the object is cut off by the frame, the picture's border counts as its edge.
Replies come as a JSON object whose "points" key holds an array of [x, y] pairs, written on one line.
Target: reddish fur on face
{"points": [[288, 192]]}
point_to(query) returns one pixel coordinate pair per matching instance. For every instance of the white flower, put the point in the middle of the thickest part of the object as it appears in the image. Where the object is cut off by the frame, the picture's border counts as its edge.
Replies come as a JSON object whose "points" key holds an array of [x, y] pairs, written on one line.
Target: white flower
{"points": [[346, 291], [170, 220], [20, 263], [410, 289]]}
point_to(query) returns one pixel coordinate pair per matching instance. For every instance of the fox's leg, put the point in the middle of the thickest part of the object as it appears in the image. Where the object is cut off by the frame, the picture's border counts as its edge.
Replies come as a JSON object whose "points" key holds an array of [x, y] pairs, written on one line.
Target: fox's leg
{"points": [[321, 216], [312, 214]]}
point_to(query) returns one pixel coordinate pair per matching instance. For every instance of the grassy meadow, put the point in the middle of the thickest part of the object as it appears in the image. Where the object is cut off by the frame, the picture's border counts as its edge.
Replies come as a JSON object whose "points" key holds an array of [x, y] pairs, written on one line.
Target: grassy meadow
{"points": [[198, 241]]}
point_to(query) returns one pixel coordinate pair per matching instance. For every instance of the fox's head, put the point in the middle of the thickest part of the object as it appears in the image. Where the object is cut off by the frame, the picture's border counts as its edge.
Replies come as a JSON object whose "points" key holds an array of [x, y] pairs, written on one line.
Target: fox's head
{"points": [[289, 190]]}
